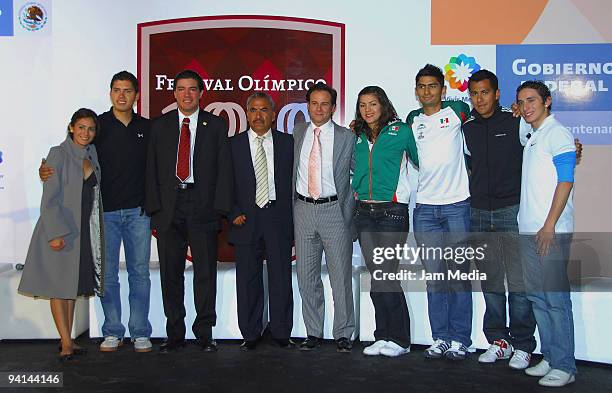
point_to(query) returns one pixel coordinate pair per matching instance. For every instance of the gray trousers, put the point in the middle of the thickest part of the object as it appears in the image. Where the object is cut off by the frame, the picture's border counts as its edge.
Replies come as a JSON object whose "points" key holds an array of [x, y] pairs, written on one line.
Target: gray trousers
{"points": [[321, 228]]}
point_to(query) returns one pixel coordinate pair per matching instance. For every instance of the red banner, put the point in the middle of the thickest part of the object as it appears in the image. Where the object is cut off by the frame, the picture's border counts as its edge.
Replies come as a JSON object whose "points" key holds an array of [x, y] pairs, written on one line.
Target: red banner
{"points": [[236, 56]]}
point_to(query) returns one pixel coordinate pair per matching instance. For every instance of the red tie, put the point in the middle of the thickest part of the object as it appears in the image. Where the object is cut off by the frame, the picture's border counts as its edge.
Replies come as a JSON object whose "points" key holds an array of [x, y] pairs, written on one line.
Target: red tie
{"points": [[184, 150]]}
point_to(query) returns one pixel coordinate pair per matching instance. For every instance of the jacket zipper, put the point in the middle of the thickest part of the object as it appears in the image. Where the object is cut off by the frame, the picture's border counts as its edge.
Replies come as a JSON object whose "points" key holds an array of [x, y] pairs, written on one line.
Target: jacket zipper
{"points": [[487, 135], [370, 164]]}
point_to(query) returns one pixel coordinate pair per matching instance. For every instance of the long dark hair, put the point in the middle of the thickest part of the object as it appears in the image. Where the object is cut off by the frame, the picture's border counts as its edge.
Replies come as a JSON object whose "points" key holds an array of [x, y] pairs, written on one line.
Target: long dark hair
{"points": [[387, 112]]}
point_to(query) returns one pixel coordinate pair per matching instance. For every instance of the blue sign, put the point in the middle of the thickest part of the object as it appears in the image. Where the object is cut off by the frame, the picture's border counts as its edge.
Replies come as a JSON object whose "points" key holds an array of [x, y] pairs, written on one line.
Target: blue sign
{"points": [[579, 77], [6, 18]]}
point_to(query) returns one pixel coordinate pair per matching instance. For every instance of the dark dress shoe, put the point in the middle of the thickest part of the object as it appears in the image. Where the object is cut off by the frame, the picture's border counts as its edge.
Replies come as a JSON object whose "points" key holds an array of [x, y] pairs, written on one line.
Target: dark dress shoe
{"points": [[343, 345], [248, 345], [285, 343], [169, 346], [310, 343], [208, 345], [66, 358]]}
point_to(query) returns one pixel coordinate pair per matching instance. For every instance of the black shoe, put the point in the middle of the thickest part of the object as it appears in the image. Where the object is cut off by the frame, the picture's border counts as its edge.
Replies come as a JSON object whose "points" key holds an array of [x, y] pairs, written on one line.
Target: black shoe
{"points": [[284, 343], [66, 358], [248, 345], [75, 351], [208, 345], [310, 343], [343, 345], [169, 346]]}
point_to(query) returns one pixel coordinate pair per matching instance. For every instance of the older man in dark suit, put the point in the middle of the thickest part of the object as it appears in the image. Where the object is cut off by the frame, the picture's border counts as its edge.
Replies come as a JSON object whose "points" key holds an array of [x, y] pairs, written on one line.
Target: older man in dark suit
{"points": [[188, 185], [262, 223]]}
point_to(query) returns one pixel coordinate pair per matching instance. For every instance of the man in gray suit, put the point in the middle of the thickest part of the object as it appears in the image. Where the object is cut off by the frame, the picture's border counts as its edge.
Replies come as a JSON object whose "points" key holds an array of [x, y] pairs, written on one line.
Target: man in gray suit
{"points": [[323, 210]]}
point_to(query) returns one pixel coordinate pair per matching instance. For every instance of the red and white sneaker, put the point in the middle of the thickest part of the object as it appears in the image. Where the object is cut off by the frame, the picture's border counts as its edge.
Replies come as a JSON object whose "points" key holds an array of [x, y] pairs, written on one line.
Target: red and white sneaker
{"points": [[520, 360], [500, 349]]}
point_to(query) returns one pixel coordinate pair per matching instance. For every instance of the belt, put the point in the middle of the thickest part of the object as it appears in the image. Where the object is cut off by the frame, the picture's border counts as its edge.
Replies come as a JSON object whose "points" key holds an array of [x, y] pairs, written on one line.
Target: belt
{"points": [[317, 201], [185, 186], [267, 205], [378, 205]]}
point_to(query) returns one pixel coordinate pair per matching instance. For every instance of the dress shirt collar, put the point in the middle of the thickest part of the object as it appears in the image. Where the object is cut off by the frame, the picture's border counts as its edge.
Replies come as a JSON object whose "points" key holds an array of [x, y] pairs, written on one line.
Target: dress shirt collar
{"points": [[193, 118], [253, 134], [324, 127]]}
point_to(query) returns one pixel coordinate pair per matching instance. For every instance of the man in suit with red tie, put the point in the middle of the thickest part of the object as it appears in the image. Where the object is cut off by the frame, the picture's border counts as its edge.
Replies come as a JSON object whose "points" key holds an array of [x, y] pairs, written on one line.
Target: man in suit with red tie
{"points": [[262, 223], [188, 185]]}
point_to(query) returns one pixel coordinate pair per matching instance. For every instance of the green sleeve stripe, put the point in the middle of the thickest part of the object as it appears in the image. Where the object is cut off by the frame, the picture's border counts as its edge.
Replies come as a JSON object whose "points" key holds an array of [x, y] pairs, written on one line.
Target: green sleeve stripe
{"points": [[412, 148]]}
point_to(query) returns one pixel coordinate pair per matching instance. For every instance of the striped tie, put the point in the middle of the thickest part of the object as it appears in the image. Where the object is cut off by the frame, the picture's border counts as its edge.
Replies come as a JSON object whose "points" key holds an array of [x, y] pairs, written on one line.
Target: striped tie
{"points": [[261, 174]]}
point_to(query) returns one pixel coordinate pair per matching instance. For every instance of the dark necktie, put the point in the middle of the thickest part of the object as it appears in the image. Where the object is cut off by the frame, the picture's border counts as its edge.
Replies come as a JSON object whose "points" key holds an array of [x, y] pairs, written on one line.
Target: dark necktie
{"points": [[184, 150]]}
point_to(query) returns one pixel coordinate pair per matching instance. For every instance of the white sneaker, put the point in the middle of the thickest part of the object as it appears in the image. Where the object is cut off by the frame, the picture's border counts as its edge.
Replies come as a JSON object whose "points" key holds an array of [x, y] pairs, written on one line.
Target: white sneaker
{"points": [[500, 349], [437, 349], [142, 344], [374, 349], [392, 350], [457, 351], [110, 344], [539, 370], [556, 378], [520, 360]]}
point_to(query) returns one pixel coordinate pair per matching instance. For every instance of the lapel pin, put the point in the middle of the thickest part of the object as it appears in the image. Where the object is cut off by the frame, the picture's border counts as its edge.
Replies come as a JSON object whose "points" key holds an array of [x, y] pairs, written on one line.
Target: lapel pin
{"points": [[204, 123]]}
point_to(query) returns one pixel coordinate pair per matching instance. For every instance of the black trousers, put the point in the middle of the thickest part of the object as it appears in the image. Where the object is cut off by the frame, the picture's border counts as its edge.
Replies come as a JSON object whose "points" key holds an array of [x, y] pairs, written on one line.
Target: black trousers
{"points": [[172, 243], [271, 243], [385, 225]]}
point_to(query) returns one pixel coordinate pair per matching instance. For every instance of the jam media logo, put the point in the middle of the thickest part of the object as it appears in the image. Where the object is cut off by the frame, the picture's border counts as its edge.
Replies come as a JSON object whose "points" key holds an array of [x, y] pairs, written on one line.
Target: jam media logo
{"points": [[235, 61], [33, 16], [458, 71]]}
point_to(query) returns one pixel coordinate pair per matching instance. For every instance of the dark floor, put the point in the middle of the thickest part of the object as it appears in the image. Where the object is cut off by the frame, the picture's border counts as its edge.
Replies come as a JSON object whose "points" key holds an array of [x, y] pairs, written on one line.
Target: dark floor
{"points": [[271, 369]]}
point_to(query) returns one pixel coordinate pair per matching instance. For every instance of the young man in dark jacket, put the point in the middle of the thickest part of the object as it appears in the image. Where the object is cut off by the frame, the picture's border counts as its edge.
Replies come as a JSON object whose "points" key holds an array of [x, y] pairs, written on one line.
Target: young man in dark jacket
{"points": [[493, 137]]}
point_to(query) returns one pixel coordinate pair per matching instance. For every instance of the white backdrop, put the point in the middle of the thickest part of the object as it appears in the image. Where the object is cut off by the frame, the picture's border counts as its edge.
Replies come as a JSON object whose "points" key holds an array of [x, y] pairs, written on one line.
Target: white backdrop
{"points": [[47, 75]]}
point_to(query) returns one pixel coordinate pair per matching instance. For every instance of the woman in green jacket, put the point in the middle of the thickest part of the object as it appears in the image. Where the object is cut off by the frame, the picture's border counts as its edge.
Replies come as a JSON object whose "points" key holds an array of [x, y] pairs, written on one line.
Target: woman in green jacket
{"points": [[383, 147]]}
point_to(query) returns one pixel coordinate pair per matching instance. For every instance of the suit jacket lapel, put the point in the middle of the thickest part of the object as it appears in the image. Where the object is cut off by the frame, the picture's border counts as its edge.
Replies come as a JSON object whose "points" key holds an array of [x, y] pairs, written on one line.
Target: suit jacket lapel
{"points": [[246, 153], [338, 150], [299, 139], [199, 140], [174, 139], [174, 119], [277, 157]]}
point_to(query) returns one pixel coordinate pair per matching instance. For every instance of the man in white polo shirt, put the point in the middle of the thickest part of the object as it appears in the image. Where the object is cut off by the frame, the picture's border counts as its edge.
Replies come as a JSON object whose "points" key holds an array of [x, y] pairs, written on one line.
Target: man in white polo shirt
{"points": [[546, 223], [442, 213]]}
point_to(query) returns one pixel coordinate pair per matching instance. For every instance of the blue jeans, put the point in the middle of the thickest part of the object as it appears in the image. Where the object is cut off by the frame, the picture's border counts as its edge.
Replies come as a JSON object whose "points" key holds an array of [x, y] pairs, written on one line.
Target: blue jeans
{"points": [[385, 225], [449, 301], [499, 230], [133, 227], [548, 290]]}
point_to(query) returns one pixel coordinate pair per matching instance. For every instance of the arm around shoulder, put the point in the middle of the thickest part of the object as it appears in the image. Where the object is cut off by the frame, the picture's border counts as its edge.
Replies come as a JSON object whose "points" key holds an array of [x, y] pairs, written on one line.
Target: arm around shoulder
{"points": [[152, 199]]}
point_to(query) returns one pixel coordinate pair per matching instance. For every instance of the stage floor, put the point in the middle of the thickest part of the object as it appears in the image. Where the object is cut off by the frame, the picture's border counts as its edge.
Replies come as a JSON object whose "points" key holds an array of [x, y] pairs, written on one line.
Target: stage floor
{"points": [[271, 369]]}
